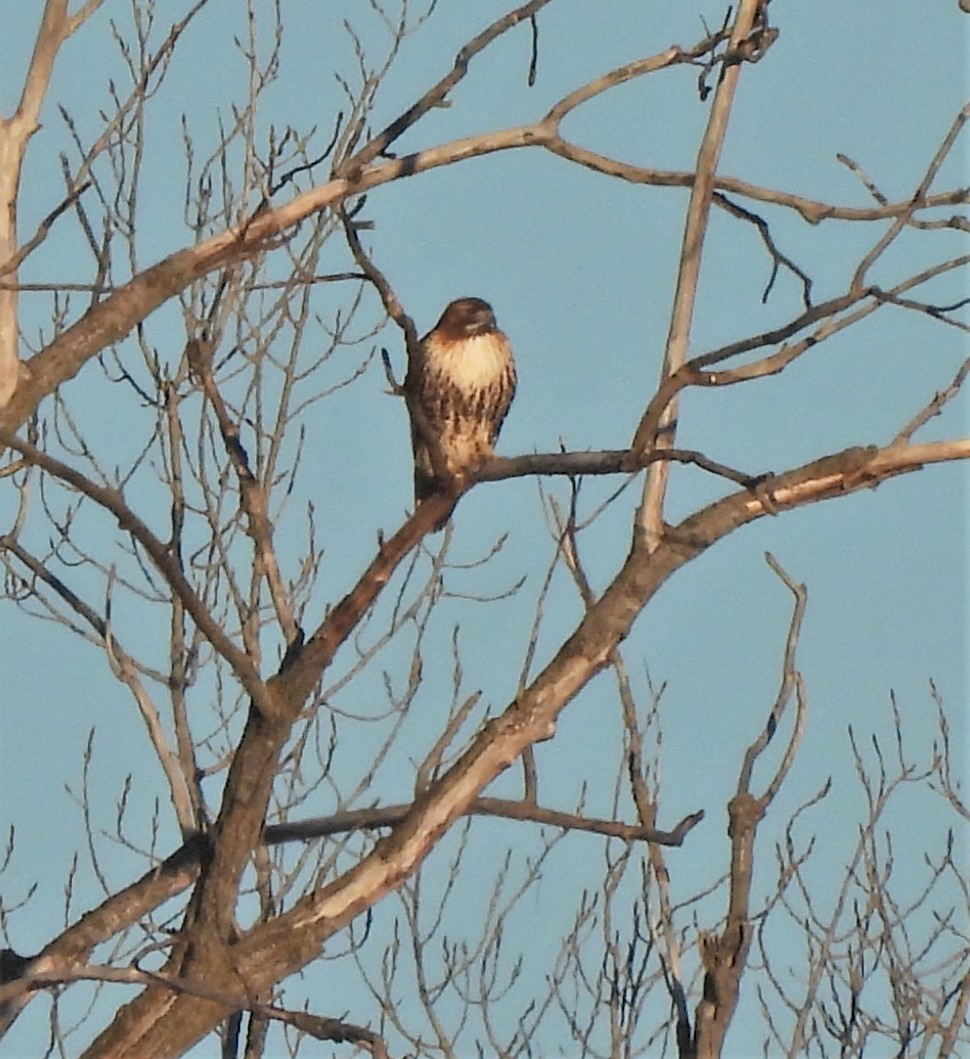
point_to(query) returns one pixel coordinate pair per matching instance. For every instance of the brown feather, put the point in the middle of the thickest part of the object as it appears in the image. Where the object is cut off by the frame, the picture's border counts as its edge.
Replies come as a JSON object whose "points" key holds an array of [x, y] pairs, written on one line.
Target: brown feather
{"points": [[459, 388]]}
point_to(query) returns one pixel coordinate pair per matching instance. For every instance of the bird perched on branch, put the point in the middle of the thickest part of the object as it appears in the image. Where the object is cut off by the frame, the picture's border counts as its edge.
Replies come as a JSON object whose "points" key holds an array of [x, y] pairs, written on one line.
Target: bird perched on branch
{"points": [[459, 385]]}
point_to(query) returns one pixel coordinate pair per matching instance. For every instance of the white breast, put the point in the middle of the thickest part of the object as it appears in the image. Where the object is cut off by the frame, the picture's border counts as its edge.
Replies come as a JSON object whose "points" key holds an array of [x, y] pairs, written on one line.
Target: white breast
{"points": [[471, 363]]}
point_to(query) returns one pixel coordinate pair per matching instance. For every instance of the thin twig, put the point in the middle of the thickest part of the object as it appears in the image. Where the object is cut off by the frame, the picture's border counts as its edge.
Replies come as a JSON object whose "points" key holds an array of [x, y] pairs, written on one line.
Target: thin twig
{"points": [[166, 563], [252, 494], [935, 406]]}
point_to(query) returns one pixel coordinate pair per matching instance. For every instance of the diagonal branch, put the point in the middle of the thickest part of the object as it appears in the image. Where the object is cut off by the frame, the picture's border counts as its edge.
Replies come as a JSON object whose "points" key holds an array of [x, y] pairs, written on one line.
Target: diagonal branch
{"points": [[274, 949], [935, 406], [437, 95], [38, 973], [918, 199], [112, 318], [693, 373], [239, 825], [650, 516]]}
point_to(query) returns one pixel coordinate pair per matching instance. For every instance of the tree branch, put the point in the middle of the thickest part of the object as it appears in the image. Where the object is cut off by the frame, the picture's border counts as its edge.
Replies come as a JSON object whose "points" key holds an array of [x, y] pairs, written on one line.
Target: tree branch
{"points": [[115, 316], [274, 949], [165, 562], [650, 515]]}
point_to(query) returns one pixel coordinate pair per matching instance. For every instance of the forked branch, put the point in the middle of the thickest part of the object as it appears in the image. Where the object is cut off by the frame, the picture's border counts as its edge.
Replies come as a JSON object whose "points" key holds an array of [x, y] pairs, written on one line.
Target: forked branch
{"points": [[724, 956]]}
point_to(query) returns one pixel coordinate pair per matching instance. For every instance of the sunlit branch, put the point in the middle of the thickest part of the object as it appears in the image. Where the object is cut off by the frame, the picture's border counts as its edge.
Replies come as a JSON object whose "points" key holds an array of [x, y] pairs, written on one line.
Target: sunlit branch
{"points": [[531, 719], [111, 319], [935, 406], [274, 881], [609, 461], [811, 210], [438, 93], [694, 372], [650, 514]]}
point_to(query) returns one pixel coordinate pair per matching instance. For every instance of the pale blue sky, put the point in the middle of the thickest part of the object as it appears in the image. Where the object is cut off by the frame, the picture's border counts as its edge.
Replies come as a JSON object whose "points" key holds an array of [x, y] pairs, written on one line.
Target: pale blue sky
{"points": [[580, 269]]}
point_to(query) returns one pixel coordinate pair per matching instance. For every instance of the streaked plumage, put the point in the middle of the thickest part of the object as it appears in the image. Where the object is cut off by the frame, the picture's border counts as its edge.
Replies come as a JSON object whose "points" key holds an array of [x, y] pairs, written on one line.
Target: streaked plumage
{"points": [[462, 383]]}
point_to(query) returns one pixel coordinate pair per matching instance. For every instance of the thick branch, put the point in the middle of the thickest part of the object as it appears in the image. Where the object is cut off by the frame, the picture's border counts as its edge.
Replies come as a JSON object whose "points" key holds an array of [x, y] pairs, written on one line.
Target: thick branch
{"points": [[112, 319], [238, 827], [526, 721], [15, 132], [279, 947], [609, 461], [37, 974], [525, 811]]}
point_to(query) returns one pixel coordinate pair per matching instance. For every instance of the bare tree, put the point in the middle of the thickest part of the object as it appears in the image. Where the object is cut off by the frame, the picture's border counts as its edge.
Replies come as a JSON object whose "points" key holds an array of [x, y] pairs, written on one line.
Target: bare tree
{"points": [[304, 827]]}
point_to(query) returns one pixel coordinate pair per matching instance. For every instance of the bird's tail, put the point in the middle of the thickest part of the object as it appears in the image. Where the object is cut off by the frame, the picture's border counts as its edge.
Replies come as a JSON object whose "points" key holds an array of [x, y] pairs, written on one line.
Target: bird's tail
{"points": [[425, 487]]}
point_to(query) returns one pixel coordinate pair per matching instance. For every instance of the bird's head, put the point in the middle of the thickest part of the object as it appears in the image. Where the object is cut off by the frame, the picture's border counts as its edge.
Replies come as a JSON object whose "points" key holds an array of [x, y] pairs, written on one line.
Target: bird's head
{"points": [[466, 317]]}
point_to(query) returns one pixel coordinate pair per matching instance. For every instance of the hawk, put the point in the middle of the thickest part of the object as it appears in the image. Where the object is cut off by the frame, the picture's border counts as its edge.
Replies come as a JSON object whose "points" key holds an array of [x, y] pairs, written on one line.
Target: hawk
{"points": [[458, 389]]}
